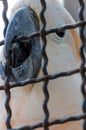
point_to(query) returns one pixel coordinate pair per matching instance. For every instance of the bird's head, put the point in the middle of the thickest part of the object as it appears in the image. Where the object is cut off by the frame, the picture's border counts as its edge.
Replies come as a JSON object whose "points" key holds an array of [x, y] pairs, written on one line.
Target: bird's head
{"points": [[25, 56]]}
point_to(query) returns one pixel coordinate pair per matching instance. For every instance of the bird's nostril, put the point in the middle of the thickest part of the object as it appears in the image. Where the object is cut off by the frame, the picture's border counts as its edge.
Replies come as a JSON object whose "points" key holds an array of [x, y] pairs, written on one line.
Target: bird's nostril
{"points": [[19, 52]]}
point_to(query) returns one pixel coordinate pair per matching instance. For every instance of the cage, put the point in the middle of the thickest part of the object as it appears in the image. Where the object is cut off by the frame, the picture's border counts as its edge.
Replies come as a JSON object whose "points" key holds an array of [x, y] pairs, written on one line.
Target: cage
{"points": [[47, 77]]}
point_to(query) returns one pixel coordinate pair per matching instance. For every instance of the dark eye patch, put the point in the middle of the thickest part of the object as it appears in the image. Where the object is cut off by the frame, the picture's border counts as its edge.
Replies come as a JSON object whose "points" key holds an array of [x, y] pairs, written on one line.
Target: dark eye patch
{"points": [[61, 34]]}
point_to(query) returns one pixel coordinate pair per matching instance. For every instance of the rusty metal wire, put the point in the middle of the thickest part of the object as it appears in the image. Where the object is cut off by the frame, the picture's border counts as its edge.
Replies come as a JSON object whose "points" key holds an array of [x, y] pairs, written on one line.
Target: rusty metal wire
{"points": [[83, 60], [46, 78], [6, 85], [45, 85], [4, 15]]}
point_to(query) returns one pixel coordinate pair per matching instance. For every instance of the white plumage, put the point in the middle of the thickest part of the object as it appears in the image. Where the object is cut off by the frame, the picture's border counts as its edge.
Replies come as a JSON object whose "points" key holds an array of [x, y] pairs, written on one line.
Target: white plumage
{"points": [[63, 53]]}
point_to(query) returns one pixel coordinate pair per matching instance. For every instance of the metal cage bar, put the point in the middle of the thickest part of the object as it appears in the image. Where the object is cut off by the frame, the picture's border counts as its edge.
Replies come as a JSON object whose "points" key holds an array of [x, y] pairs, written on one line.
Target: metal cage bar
{"points": [[42, 33]]}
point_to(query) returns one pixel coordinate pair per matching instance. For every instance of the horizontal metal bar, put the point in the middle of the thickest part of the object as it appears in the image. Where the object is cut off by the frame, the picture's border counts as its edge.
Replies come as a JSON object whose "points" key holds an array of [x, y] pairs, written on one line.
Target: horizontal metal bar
{"points": [[55, 122], [46, 77]]}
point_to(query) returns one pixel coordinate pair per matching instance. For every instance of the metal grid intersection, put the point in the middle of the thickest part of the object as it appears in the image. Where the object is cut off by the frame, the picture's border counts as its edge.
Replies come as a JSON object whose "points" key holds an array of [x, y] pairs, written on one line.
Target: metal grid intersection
{"points": [[42, 33]]}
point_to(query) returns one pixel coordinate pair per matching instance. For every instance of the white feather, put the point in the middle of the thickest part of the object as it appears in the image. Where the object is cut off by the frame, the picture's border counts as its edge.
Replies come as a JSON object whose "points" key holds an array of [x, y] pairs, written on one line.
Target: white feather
{"points": [[65, 96]]}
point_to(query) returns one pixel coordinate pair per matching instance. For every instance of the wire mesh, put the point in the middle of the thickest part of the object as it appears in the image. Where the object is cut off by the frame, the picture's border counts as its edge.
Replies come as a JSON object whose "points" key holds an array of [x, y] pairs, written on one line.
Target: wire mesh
{"points": [[46, 78]]}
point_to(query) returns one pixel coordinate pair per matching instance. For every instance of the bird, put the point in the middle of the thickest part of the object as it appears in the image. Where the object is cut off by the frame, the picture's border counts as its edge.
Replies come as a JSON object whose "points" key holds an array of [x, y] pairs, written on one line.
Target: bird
{"points": [[65, 98]]}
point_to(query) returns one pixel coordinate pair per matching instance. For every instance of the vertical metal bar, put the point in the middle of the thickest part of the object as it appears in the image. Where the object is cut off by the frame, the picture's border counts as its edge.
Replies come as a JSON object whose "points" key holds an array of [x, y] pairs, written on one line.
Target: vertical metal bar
{"points": [[7, 101], [8, 96], [83, 40], [4, 15], [45, 58], [7, 86]]}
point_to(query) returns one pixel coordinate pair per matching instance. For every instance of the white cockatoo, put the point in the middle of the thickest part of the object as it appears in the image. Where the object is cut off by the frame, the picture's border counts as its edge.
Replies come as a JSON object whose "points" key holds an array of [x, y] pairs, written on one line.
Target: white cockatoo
{"points": [[63, 53]]}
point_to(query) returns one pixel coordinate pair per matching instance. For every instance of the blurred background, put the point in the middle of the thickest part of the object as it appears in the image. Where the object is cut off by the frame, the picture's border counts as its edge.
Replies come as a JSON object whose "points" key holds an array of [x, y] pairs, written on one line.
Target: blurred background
{"points": [[73, 6]]}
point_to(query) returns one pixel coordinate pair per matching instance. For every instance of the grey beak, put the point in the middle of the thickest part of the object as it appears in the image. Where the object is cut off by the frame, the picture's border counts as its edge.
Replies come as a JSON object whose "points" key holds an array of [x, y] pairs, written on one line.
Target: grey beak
{"points": [[25, 56]]}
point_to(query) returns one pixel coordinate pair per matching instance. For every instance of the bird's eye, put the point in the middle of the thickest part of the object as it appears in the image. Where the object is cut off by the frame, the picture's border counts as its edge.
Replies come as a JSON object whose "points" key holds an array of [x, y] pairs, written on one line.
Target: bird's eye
{"points": [[61, 34]]}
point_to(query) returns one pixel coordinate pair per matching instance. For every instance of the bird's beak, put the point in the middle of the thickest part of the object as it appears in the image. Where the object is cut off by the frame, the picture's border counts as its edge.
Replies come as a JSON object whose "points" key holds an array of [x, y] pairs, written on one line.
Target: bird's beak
{"points": [[25, 56]]}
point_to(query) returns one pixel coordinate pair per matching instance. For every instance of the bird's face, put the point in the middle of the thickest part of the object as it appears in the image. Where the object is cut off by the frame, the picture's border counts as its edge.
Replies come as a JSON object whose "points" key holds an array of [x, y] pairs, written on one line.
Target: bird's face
{"points": [[59, 17], [25, 56]]}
